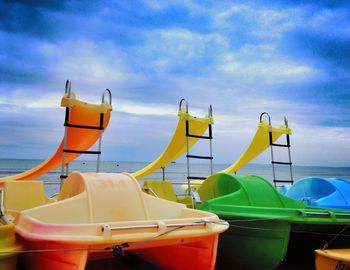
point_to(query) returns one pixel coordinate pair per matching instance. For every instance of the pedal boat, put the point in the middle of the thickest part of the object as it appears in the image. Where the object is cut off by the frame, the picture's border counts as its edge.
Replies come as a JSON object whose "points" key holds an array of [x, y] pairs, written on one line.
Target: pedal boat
{"points": [[332, 259], [9, 247], [266, 227], [14, 197], [99, 215], [322, 192]]}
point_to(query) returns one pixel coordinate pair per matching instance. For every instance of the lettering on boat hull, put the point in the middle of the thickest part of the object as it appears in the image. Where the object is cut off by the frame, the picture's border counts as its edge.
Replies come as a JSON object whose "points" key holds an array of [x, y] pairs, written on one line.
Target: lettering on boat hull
{"points": [[342, 266]]}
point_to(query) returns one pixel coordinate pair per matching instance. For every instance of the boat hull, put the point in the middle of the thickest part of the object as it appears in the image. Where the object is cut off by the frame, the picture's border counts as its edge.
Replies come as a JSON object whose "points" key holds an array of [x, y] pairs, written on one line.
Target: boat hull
{"points": [[253, 245], [336, 259], [194, 253], [305, 238]]}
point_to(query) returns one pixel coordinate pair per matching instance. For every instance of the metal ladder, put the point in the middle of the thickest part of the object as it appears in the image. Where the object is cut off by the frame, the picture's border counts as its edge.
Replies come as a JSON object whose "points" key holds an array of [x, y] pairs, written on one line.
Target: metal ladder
{"points": [[65, 166], [279, 183], [189, 156]]}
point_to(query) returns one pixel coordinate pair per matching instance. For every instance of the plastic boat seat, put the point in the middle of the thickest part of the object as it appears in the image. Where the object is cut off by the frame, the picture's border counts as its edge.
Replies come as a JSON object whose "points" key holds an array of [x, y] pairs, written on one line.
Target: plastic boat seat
{"points": [[260, 192], [164, 190], [105, 197], [241, 190], [107, 200], [310, 189], [217, 185], [323, 192], [22, 195]]}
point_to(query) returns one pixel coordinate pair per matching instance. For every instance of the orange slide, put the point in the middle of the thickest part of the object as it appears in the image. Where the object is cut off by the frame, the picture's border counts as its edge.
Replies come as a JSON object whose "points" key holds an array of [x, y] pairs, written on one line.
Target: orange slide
{"points": [[80, 139]]}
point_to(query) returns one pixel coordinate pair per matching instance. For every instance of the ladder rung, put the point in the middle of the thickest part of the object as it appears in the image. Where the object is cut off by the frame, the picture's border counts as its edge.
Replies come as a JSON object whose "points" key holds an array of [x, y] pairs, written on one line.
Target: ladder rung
{"points": [[283, 181], [200, 137], [280, 145], [199, 157], [84, 127], [63, 176], [196, 178], [281, 163], [81, 152]]}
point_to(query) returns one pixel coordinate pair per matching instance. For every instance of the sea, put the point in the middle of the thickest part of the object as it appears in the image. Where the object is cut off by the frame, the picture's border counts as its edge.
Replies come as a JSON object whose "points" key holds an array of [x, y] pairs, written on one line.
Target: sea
{"points": [[177, 172]]}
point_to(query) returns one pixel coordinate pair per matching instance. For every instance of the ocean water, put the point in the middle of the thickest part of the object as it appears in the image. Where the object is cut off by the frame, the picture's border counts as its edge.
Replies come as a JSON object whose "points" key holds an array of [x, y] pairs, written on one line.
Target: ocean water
{"points": [[176, 172]]}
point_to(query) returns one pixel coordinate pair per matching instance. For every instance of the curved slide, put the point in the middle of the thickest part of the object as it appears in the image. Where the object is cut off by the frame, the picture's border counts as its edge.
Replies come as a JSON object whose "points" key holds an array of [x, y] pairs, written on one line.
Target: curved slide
{"points": [[259, 144], [83, 114], [177, 145]]}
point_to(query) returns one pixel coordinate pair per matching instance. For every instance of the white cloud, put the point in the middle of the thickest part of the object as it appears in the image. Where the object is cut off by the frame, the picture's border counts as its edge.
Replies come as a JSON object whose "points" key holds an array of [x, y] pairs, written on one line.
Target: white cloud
{"points": [[259, 64], [324, 22], [20, 99], [262, 22], [192, 6], [145, 109], [94, 63], [169, 48]]}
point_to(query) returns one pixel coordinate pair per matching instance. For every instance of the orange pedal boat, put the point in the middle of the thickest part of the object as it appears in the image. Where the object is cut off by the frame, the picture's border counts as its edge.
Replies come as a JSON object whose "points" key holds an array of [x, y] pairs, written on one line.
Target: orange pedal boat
{"points": [[99, 215], [332, 259]]}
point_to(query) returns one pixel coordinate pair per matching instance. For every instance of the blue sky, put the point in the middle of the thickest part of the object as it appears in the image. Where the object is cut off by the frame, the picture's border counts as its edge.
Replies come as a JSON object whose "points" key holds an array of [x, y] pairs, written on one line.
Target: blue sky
{"points": [[244, 57]]}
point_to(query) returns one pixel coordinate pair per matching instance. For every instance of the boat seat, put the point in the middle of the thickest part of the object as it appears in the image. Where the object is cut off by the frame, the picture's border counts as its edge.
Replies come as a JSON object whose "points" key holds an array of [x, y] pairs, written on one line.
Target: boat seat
{"points": [[164, 190], [87, 198], [108, 199], [242, 190], [217, 185], [22, 195]]}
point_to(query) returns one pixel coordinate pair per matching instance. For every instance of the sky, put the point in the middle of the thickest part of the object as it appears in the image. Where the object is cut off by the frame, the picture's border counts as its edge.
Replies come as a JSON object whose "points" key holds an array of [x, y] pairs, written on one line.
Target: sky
{"points": [[288, 58]]}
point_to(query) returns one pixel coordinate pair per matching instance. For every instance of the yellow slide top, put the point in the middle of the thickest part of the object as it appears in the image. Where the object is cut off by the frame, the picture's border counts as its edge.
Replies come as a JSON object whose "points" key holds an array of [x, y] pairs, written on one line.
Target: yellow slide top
{"points": [[177, 145], [259, 143]]}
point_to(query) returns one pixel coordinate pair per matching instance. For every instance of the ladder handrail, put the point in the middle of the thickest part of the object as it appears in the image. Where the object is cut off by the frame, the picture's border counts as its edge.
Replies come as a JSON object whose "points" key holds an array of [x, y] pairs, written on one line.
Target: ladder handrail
{"points": [[65, 167], [188, 156], [68, 88], [268, 116], [109, 95], [273, 161], [180, 104]]}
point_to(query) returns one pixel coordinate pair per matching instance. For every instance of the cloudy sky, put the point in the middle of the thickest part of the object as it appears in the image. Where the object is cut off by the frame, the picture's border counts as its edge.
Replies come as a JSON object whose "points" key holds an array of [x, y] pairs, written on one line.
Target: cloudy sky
{"points": [[244, 57]]}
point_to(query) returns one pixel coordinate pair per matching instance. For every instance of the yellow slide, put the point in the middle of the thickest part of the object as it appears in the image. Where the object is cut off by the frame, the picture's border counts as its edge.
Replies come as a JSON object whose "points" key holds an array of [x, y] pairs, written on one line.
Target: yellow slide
{"points": [[177, 145], [259, 144], [82, 114]]}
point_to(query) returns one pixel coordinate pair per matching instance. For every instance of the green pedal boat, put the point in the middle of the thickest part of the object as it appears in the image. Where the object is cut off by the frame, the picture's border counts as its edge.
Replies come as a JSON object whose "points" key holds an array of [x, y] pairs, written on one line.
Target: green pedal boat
{"points": [[268, 228]]}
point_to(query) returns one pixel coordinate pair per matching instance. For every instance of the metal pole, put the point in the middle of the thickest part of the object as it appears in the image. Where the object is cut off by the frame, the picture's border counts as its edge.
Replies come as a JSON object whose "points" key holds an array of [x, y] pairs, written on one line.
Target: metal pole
{"points": [[163, 173], [107, 91], [289, 155], [187, 146], [210, 140], [211, 154], [273, 165], [156, 226], [99, 149], [67, 91], [290, 161], [188, 164]]}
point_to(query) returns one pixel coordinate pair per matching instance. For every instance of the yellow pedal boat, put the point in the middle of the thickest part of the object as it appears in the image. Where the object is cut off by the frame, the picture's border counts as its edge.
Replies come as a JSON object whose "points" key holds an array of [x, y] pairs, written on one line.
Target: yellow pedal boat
{"points": [[8, 247], [99, 215], [15, 197]]}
